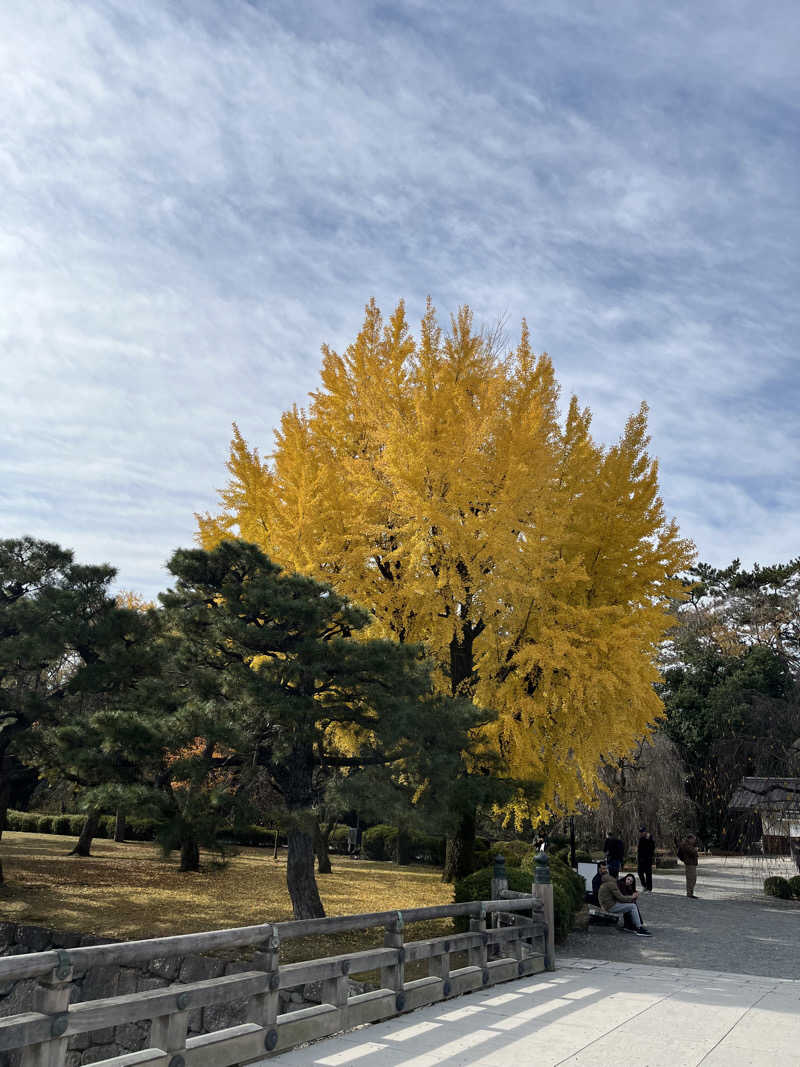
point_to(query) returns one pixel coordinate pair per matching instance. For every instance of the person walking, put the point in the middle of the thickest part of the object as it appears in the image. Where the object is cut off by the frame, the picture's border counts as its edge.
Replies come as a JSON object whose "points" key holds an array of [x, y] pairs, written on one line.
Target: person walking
{"points": [[614, 848], [615, 902], [645, 854], [687, 854]]}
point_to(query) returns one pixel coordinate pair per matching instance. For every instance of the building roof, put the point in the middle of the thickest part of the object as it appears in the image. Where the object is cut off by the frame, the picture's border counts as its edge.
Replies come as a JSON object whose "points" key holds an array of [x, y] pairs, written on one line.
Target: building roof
{"points": [[767, 794]]}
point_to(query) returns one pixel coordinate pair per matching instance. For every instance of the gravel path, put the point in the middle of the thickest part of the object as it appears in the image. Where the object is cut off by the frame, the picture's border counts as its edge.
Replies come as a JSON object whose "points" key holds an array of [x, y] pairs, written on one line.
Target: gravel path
{"points": [[733, 927]]}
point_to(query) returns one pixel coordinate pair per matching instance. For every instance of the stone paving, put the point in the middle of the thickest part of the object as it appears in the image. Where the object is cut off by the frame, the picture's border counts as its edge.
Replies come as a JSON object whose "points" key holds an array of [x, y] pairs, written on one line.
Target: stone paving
{"points": [[717, 985], [733, 927]]}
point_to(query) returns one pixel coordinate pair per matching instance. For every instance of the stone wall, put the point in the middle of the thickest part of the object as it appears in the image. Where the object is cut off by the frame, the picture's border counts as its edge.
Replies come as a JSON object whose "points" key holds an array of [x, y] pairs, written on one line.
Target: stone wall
{"points": [[110, 981]]}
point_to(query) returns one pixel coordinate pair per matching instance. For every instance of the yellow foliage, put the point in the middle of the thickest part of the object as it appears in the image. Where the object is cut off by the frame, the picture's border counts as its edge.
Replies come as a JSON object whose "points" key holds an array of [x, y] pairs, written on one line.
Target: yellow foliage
{"points": [[126, 598], [434, 482]]}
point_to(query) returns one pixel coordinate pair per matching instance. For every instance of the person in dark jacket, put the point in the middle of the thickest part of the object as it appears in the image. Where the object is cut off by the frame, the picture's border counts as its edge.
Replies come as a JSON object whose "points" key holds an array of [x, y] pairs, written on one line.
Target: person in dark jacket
{"points": [[687, 854], [602, 871], [614, 848], [645, 854]]}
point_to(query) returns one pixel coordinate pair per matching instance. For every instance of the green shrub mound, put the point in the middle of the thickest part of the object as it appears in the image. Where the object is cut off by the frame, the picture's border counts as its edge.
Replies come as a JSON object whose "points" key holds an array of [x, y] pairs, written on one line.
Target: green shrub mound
{"points": [[339, 839], [778, 887], [794, 885], [380, 843], [513, 852], [568, 890], [478, 886]]}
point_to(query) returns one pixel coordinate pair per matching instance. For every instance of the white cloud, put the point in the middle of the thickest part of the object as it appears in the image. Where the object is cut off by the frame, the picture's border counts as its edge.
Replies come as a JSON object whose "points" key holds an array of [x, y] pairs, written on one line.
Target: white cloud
{"points": [[196, 196]]}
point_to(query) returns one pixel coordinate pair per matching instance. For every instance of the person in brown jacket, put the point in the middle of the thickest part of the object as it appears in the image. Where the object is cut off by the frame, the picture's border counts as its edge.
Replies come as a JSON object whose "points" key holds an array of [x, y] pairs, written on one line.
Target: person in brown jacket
{"points": [[615, 902], [687, 854]]}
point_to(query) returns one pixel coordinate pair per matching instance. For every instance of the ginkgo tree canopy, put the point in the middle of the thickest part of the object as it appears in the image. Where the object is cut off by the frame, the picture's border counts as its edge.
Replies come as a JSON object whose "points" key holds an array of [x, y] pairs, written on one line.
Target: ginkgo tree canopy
{"points": [[435, 481]]}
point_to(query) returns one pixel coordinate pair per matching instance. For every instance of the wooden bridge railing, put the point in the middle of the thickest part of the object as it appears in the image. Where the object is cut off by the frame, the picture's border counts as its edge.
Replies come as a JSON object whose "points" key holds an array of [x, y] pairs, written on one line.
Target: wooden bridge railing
{"points": [[495, 953]]}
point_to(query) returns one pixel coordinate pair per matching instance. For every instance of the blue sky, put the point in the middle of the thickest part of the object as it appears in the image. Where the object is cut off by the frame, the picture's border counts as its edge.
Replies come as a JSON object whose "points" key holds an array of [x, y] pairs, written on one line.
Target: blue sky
{"points": [[196, 195]]}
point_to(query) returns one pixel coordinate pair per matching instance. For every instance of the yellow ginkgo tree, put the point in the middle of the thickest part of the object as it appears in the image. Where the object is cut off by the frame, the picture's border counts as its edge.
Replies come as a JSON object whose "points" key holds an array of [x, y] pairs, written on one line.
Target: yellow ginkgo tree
{"points": [[435, 482]]}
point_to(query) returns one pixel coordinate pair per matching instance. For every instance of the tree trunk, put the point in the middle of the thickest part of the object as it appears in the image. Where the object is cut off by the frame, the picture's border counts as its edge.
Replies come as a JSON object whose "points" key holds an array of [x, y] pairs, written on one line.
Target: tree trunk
{"points": [[402, 847], [190, 855], [84, 844], [5, 796], [460, 853], [275, 849], [300, 880], [321, 841], [119, 826]]}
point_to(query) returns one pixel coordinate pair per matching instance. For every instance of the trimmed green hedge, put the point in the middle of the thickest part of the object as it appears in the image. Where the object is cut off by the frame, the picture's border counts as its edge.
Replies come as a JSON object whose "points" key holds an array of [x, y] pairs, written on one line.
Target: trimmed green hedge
{"points": [[513, 852], [794, 885], [380, 843], [568, 891], [34, 822], [778, 887], [478, 886]]}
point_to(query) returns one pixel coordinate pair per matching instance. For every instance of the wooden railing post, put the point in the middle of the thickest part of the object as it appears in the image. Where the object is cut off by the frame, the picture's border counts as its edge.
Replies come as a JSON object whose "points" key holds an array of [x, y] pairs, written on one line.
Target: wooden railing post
{"points": [[499, 886], [393, 977], [499, 878], [543, 889], [477, 955], [439, 967], [335, 991], [263, 1007], [168, 1032], [52, 996]]}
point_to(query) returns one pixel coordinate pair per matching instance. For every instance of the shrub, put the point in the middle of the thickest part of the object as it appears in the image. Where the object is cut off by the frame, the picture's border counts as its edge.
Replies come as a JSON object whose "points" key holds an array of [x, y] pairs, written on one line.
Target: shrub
{"points": [[377, 843], [514, 852], [140, 829], [337, 842], [22, 821], [568, 891], [794, 885], [778, 887], [583, 856], [562, 911], [478, 886], [428, 848], [571, 882], [481, 858], [253, 836], [45, 824], [61, 825]]}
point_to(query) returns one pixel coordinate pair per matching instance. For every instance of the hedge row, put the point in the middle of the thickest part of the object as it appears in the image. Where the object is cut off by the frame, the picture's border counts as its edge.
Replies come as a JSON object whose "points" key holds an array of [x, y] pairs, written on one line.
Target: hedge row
{"points": [[33, 822], [783, 888], [380, 843]]}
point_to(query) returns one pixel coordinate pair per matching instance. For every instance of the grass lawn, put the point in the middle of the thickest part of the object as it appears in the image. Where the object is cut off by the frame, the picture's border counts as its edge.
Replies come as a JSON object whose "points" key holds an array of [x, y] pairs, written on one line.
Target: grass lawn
{"points": [[127, 891]]}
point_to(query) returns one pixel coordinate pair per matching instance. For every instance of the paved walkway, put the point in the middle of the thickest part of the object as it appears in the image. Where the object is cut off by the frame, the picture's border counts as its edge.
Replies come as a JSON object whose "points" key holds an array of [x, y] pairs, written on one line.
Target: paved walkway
{"points": [[589, 1012], [717, 985], [733, 927]]}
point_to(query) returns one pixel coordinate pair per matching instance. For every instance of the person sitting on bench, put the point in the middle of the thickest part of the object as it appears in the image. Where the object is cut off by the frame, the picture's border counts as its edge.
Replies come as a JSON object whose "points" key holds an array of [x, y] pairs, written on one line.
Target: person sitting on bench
{"points": [[602, 868], [616, 902]]}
